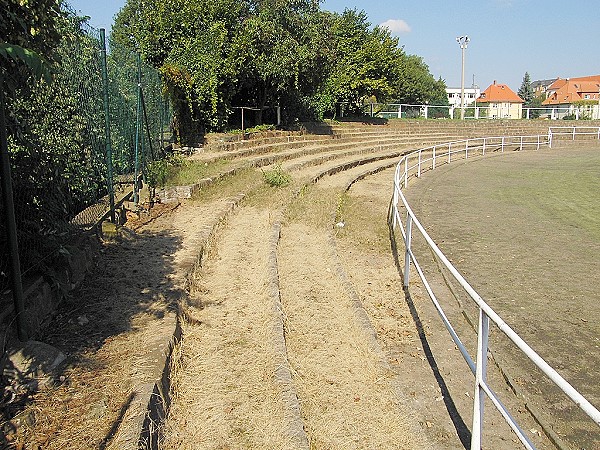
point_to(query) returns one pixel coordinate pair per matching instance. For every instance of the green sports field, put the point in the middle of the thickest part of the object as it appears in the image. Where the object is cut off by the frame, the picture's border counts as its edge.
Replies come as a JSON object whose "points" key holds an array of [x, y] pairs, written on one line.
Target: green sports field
{"points": [[524, 229]]}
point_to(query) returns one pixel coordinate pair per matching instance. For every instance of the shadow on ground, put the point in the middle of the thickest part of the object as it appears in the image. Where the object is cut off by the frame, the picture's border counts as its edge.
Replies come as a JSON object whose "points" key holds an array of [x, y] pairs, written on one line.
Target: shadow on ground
{"points": [[458, 422], [129, 286]]}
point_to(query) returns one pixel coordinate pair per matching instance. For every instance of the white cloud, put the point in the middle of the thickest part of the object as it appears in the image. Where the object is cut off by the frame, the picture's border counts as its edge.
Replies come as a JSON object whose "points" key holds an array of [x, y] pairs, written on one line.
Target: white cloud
{"points": [[396, 26]]}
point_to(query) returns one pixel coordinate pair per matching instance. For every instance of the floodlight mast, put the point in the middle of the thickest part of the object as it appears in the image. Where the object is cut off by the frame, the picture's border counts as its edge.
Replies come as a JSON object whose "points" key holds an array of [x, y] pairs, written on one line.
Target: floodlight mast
{"points": [[463, 41]]}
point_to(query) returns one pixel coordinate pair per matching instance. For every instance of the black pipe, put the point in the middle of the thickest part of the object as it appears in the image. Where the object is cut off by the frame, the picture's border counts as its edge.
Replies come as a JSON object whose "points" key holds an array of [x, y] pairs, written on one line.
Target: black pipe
{"points": [[11, 224]]}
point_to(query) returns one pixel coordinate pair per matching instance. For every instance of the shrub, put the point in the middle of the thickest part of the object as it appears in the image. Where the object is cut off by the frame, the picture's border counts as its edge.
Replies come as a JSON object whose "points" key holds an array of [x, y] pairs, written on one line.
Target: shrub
{"points": [[276, 177]]}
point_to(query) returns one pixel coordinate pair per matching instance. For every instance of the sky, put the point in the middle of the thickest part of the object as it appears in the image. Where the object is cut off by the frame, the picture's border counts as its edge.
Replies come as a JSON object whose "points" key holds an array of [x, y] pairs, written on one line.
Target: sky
{"points": [[548, 38]]}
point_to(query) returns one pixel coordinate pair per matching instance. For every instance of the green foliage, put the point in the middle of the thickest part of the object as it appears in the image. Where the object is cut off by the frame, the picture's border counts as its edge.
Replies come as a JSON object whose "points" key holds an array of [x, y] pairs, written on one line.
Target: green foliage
{"points": [[364, 63], [526, 90], [160, 171], [55, 125], [535, 104], [276, 177], [189, 172], [219, 54]]}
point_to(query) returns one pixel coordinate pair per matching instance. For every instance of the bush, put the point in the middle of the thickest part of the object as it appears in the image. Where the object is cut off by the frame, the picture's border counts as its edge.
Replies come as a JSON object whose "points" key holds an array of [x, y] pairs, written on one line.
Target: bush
{"points": [[276, 177]]}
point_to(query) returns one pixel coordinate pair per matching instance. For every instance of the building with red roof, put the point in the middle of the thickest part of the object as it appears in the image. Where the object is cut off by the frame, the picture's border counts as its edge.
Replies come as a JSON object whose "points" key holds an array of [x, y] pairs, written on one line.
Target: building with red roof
{"points": [[500, 102], [569, 90], [577, 96]]}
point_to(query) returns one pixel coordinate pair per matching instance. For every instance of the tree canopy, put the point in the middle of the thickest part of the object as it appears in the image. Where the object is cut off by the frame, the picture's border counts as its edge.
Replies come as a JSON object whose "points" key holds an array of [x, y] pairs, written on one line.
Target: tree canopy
{"points": [[526, 90], [216, 55]]}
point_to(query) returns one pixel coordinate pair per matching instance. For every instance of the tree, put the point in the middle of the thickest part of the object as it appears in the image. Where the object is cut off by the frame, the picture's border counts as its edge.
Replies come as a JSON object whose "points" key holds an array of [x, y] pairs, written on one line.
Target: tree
{"points": [[190, 43], [416, 85], [526, 90], [267, 52], [217, 54], [365, 63]]}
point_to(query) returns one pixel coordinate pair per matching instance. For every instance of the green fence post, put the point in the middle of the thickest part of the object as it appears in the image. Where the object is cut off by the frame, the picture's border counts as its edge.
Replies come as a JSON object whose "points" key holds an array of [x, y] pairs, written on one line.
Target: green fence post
{"points": [[11, 225], [136, 198], [109, 163], [152, 155]]}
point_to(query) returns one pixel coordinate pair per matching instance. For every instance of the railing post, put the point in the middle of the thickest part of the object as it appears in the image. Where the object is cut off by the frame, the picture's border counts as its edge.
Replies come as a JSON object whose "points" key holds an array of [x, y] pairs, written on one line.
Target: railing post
{"points": [[467, 149], [538, 142], [484, 142], [109, 162], [433, 164], [419, 166], [574, 132], [405, 172], [521, 147], [449, 148], [407, 253], [550, 137], [480, 379], [502, 144], [395, 206]]}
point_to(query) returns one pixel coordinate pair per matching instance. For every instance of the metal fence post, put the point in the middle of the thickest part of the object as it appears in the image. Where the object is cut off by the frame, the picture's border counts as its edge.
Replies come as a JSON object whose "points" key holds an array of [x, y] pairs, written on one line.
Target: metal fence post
{"points": [[419, 166], [407, 253], [433, 163], [11, 224], [151, 148], [395, 206], [138, 122], [109, 165], [484, 141], [480, 379], [449, 154], [502, 144]]}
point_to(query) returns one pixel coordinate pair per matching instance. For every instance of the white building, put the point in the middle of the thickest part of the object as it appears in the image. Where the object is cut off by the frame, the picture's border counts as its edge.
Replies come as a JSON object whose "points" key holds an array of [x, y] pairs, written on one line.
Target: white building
{"points": [[471, 93]]}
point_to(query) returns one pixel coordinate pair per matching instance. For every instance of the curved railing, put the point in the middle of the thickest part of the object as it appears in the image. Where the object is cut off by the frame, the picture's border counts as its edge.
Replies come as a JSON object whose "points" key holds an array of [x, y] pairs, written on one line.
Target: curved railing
{"points": [[413, 165]]}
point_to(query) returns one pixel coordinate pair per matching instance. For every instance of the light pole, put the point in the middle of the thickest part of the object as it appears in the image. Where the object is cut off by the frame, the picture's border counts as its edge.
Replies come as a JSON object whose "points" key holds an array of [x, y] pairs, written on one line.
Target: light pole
{"points": [[598, 101], [463, 41]]}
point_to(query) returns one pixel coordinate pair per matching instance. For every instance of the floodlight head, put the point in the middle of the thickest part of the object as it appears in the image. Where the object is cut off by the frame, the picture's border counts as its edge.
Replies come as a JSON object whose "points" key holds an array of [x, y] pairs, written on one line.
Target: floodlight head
{"points": [[463, 41]]}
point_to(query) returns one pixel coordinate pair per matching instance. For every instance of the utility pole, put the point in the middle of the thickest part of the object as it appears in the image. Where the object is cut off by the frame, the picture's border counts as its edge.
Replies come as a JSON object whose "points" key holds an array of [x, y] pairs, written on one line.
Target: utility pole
{"points": [[463, 41]]}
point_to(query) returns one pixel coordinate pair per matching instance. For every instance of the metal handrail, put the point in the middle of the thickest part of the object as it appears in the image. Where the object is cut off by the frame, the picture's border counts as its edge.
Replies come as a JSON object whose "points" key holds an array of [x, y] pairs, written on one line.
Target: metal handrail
{"points": [[427, 157]]}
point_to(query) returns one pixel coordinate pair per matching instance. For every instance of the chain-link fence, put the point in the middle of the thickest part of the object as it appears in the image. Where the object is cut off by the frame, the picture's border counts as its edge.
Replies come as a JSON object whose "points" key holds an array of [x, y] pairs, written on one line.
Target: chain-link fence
{"points": [[68, 167]]}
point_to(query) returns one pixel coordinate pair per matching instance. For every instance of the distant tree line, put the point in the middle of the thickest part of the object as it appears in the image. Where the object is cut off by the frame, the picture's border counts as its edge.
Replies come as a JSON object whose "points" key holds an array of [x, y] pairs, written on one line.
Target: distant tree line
{"points": [[219, 54]]}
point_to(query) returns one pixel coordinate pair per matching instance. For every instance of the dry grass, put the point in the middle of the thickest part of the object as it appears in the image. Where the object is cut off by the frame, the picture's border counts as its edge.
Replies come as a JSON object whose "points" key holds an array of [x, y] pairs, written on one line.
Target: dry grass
{"points": [[346, 397], [226, 396]]}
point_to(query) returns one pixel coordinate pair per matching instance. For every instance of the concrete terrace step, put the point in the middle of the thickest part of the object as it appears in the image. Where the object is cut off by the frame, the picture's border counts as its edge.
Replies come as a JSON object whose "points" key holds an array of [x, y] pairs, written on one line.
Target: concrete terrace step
{"points": [[289, 152], [271, 149]]}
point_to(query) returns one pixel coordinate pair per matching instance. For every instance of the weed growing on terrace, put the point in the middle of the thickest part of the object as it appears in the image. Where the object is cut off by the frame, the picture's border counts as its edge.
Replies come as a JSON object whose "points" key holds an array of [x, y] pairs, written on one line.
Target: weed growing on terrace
{"points": [[276, 177]]}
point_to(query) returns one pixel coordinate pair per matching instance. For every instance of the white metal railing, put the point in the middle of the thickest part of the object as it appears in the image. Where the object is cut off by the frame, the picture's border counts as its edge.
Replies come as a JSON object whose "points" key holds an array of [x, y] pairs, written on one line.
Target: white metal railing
{"points": [[572, 132], [407, 110], [414, 164]]}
